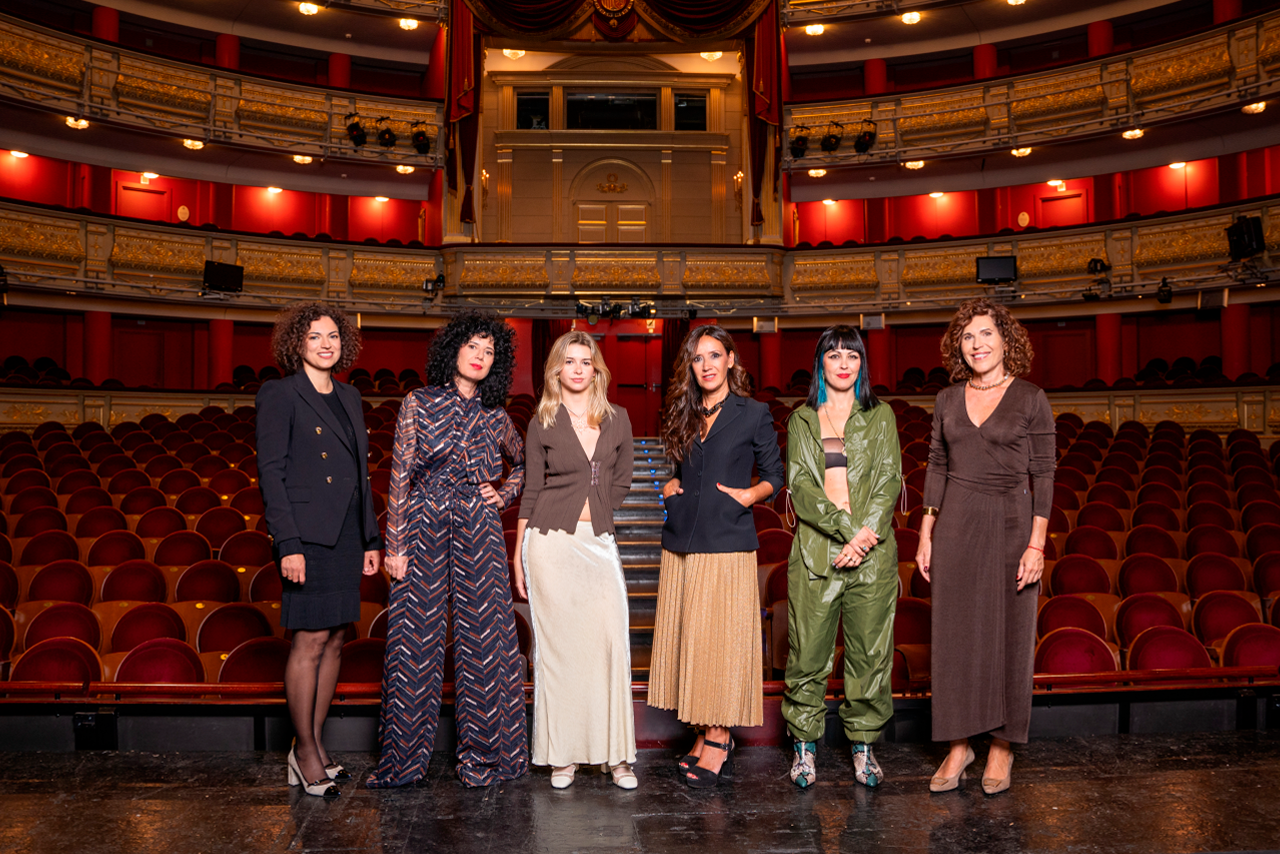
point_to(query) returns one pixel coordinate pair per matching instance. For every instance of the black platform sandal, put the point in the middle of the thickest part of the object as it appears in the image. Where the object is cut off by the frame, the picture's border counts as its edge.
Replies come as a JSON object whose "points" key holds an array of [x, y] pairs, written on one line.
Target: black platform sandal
{"points": [[684, 763], [705, 779]]}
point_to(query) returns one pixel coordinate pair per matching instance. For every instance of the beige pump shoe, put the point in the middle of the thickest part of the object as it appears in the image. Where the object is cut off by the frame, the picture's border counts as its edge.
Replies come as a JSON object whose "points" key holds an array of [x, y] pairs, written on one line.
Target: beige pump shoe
{"points": [[940, 783]]}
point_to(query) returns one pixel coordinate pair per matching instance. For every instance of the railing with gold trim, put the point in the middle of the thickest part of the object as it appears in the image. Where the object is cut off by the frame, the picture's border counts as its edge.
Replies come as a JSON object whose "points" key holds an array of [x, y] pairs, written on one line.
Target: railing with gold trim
{"points": [[104, 256], [84, 79], [435, 9], [1228, 67]]}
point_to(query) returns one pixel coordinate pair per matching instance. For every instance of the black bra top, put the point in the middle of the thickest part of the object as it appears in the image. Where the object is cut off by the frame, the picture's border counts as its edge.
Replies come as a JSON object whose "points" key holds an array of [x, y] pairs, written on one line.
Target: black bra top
{"points": [[833, 450]]}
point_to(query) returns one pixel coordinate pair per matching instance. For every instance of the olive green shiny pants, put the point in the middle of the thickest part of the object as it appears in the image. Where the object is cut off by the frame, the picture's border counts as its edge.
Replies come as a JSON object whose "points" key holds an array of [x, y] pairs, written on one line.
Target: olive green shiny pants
{"points": [[865, 598]]}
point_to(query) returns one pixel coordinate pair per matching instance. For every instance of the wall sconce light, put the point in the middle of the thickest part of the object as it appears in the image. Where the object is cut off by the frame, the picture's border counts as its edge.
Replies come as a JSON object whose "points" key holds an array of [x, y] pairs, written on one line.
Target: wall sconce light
{"points": [[1254, 109], [408, 24], [404, 170], [1056, 183], [77, 124], [828, 201], [936, 195], [911, 18], [381, 199], [308, 8], [814, 30], [1133, 133], [914, 164], [1020, 152], [711, 55], [18, 154], [302, 159], [274, 190], [511, 53], [484, 189], [193, 144], [1178, 165], [148, 177], [737, 188]]}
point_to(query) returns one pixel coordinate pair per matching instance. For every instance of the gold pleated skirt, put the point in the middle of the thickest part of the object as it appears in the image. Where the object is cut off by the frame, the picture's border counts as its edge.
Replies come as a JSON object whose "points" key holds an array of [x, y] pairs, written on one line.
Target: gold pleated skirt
{"points": [[706, 640], [582, 707]]}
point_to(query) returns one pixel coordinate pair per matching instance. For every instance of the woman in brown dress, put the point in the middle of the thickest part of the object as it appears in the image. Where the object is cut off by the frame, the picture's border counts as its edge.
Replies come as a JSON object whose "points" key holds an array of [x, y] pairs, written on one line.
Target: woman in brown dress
{"points": [[990, 432]]}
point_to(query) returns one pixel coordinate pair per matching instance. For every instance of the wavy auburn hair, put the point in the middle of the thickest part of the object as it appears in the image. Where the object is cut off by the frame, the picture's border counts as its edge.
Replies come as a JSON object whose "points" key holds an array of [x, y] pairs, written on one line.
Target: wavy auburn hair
{"points": [[597, 396], [442, 358], [682, 411], [289, 335], [1017, 346]]}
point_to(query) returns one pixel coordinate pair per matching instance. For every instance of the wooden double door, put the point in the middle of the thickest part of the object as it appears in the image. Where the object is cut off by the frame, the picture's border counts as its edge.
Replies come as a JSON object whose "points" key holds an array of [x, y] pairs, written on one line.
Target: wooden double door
{"points": [[612, 222]]}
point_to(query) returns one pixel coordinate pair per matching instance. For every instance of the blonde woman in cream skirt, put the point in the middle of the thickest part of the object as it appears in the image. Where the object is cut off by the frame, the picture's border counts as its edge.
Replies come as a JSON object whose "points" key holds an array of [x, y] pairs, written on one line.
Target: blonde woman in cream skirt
{"points": [[706, 641], [578, 462]]}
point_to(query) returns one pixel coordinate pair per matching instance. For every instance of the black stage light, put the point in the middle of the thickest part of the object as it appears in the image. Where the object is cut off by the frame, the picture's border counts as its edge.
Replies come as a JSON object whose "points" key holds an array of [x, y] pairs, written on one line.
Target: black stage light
{"points": [[355, 130], [420, 140], [1164, 293], [431, 286], [799, 141], [1090, 295], [640, 311], [1244, 237], [831, 139], [866, 137], [1097, 267], [386, 136]]}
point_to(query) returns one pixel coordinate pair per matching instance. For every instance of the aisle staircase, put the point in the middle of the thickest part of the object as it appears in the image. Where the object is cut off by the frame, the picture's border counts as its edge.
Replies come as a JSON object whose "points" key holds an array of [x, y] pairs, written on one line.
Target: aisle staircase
{"points": [[639, 534]]}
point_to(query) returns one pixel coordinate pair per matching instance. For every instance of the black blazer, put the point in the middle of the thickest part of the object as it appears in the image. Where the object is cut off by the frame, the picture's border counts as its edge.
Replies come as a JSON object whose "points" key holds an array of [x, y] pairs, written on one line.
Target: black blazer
{"points": [[306, 470], [703, 519]]}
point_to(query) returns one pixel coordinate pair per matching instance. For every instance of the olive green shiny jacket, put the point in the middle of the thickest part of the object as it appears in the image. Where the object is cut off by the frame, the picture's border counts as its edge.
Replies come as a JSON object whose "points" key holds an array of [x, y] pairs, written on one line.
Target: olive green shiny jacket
{"points": [[874, 480]]}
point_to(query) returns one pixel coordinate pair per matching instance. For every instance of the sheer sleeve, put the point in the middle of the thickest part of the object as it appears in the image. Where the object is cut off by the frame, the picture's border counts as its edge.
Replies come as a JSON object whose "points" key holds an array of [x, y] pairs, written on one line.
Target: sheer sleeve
{"points": [[935, 479], [1043, 454], [403, 454], [513, 451], [624, 462]]}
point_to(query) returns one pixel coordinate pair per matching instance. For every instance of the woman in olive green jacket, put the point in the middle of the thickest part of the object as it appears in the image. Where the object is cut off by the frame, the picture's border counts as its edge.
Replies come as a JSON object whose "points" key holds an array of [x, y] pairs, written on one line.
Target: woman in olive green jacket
{"points": [[844, 469]]}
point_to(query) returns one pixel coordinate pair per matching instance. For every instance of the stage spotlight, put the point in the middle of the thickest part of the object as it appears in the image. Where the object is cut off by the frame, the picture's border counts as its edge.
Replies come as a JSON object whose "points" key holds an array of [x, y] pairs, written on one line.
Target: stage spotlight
{"points": [[866, 137], [386, 136], [831, 139], [420, 141], [1164, 293], [431, 286], [799, 141], [1097, 267], [638, 310], [1090, 295], [355, 131]]}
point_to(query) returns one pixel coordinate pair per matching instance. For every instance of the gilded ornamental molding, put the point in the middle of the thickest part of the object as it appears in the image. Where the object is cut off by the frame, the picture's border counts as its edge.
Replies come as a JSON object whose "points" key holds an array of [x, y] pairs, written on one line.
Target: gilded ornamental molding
{"points": [[624, 272], [143, 250], [519, 271], [276, 271]]}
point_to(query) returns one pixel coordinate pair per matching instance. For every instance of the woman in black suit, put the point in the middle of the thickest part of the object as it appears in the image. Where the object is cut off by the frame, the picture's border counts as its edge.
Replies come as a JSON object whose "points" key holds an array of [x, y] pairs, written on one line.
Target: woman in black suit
{"points": [[706, 640], [314, 476]]}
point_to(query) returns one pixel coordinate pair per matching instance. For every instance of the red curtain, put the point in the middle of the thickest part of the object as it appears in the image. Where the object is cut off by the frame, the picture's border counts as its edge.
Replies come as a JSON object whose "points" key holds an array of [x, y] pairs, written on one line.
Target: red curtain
{"points": [[545, 333], [762, 48], [466, 53], [679, 19]]}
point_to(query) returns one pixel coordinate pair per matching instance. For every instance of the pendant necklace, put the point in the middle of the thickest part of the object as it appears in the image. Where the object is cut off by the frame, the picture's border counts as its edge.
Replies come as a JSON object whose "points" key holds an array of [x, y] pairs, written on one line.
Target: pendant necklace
{"points": [[580, 422]]}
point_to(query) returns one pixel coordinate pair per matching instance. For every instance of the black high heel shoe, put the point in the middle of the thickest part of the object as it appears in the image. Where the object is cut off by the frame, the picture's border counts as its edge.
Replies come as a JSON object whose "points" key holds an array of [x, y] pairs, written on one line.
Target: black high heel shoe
{"points": [[705, 779], [689, 760]]}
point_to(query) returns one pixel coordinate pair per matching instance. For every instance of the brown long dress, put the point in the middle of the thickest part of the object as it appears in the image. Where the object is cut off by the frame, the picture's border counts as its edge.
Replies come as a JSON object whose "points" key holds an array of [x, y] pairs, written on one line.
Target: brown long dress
{"points": [[983, 628]]}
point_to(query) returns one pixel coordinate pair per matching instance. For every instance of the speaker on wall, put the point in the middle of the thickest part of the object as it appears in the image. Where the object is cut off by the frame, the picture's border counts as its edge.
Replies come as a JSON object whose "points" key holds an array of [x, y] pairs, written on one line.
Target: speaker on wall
{"points": [[1244, 237], [227, 278]]}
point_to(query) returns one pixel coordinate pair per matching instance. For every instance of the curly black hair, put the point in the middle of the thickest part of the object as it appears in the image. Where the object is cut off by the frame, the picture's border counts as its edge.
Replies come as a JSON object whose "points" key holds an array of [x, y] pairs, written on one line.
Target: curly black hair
{"points": [[442, 358], [289, 336]]}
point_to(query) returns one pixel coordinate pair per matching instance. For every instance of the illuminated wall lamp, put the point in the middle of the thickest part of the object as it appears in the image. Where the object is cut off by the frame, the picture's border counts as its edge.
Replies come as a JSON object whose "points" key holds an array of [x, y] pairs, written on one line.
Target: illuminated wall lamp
{"points": [[936, 195], [1020, 152], [817, 173], [404, 170], [828, 201], [18, 154], [381, 199], [711, 55], [1133, 133], [814, 30], [511, 53], [914, 164], [148, 177], [1254, 109], [1178, 165], [911, 18], [308, 8], [1016, 2], [274, 190], [77, 124], [408, 24], [1056, 182], [193, 144], [304, 159]]}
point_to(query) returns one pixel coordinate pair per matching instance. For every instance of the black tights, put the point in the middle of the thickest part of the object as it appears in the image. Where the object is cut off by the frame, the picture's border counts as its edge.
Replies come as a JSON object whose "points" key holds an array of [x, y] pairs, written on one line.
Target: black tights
{"points": [[310, 678]]}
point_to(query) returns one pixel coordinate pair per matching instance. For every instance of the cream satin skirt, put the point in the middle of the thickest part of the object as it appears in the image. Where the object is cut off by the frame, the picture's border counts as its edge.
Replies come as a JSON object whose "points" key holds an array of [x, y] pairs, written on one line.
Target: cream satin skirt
{"points": [[582, 651]]}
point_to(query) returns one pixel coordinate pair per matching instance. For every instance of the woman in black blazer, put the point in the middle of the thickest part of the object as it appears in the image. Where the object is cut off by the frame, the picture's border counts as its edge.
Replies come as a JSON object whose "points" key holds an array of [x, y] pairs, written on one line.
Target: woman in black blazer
{"points": [[706, 640], [314, 476]]}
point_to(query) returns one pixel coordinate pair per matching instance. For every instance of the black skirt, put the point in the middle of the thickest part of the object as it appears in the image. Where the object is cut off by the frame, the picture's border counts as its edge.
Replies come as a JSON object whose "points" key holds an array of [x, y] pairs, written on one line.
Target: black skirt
{"points": [[330, 595]]}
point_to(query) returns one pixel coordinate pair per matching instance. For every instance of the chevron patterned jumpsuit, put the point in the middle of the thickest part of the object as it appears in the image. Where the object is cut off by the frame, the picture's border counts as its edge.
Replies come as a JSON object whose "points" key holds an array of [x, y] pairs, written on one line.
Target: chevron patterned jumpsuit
{"points": [[445, 447]]}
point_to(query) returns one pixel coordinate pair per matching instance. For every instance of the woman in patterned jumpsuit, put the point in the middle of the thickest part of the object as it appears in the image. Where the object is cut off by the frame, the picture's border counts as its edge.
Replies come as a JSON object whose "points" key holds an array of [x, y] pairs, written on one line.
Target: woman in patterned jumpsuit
{"points": [[445, 550]]}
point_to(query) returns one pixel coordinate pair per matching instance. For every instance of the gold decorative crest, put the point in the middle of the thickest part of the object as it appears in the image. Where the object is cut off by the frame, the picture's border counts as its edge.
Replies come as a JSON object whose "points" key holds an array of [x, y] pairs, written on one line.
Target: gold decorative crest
{"points": [[611, 185]]}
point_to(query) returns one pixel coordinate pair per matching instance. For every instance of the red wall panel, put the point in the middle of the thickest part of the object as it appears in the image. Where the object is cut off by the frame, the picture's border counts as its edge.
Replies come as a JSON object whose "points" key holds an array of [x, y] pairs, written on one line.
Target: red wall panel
{"points": [[31, 334], [288, 212], [35, 179], [382, 221]]}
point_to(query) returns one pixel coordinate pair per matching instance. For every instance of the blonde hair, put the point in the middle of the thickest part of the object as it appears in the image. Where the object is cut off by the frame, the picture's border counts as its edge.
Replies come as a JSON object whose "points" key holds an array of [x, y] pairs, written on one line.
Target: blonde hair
{"points": [[599, 407]]}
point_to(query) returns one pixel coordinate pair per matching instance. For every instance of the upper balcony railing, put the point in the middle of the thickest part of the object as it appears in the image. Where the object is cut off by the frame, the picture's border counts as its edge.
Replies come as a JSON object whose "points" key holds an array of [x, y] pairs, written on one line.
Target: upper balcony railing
{"points": [[435, 9], [801, 12], [58, 254], [86, 79], [1224, 69]]}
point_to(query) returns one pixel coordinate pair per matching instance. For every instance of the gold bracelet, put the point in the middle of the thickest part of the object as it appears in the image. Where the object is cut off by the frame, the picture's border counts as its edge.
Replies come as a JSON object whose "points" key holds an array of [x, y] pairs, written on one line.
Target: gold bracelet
{"points": [[931, 511]]}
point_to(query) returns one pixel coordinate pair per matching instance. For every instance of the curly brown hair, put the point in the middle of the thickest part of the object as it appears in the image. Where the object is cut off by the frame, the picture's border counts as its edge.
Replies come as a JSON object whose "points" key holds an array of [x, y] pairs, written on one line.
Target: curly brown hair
{"points": [[289, 336], [682, 413], [1017, 346]]}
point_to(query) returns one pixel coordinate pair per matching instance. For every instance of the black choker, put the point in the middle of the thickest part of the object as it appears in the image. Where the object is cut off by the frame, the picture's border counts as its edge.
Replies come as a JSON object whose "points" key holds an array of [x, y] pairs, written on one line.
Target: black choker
{"points": [[708, 411]]}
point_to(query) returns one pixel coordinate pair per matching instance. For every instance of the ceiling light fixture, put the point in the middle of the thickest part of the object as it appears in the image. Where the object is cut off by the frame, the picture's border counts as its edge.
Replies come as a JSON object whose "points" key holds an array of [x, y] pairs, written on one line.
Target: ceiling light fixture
{"points": [[936, 195], [308, 8], [711, 55], [148, 177], [274, 190], [193, 144], [914, 164], [18, 154], [381, 199], [304, 159], [1254, 109], [1056, 182], [814, 30], [828, 201], [404, 170], [1133, 133], [77, 124], [1016, 2], [1020, 152], [408, 24], [911, 18], [1178, 165], [817, 173], [511, 53]]}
